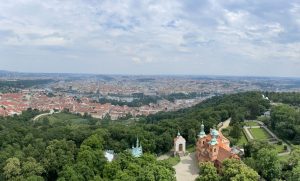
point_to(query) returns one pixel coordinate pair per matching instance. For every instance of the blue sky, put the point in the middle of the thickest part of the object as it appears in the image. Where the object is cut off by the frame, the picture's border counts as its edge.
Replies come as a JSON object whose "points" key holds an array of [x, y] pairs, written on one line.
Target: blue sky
{"points": [[203, 37]]}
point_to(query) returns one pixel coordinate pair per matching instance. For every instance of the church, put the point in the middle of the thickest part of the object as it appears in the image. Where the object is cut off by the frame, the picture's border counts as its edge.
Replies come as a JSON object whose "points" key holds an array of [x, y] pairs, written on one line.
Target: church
{"points": [[179, 145], [137, 150], [213, 147]]}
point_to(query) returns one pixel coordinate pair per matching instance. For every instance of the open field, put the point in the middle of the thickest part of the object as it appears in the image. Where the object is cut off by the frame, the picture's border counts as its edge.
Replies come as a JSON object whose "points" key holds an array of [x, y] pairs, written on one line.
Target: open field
{"points": [[64, 117], [259, 133]]}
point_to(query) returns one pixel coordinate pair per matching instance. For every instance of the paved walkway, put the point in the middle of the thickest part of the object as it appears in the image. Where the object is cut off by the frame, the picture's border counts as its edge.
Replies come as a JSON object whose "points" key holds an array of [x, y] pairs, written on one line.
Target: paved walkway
{"points": [[163, 157], [44, 114], [187, 169], [224, 124]]}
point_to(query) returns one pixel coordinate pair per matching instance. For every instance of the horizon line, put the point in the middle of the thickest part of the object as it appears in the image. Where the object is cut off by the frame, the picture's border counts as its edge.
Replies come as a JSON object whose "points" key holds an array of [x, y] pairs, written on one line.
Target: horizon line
{"points": [[162, 74]]}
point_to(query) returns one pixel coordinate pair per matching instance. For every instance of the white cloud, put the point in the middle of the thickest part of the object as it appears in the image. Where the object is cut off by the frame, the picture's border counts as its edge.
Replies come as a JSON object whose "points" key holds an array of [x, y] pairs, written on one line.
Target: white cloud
{"points": [[148, 32]]}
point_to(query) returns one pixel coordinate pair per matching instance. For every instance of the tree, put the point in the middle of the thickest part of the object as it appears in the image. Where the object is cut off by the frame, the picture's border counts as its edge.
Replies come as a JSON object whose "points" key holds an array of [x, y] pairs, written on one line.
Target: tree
{"points": [[236, 131], [235, 170], [208, 172], [268, 164], [58, 154], [294, 159], [12, 168], [192, 136], [69, 173], [296, 173], [110, 170], [32, 168]]}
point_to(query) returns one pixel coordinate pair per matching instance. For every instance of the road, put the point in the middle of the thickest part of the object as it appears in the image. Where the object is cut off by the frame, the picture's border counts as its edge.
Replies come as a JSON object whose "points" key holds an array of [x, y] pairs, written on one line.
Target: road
{"points": [[225, 124], [187, 169], [44, 114]]}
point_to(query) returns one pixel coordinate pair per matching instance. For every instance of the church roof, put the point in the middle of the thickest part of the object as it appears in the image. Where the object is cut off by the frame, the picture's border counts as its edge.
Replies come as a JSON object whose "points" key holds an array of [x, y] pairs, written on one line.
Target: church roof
{"points": [[177, 138], [214, 132], [223, 154], [224, 151]]}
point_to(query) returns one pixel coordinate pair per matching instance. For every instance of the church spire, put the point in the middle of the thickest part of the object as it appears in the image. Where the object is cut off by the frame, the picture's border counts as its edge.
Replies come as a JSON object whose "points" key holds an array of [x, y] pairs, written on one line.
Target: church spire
{"points": [[178, 133], [202, 132]]}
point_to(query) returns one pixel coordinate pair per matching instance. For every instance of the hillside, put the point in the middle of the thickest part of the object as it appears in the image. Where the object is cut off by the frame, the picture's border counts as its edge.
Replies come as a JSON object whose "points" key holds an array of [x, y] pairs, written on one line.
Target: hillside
{"points": [[62, 147]]}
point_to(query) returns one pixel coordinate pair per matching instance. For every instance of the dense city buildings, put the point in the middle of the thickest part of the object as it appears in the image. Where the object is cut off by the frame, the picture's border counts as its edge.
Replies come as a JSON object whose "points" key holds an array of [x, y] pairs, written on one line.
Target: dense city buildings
{"points": [[120, 96], [15, 103]]}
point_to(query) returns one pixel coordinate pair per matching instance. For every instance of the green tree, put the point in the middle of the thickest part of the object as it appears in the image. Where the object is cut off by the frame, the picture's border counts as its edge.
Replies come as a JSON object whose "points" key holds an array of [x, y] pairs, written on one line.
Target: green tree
{"points": [[296, 173], [111, 169], [192, 136], [58, 154], [235, 170], [208, 172], [69, 173], [32, 168], [12, 168], [236, 131], [294, 158], [268, 164]]}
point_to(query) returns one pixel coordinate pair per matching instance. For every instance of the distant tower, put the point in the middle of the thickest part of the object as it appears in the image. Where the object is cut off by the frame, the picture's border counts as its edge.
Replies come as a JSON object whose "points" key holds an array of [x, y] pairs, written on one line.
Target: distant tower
{"points": [[179, 145], [137, 151]]}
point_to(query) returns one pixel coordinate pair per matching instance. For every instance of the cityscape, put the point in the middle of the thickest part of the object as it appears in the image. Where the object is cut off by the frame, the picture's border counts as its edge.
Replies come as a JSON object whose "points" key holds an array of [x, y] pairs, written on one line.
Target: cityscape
{"points": [[101, 96], [165, 90]]}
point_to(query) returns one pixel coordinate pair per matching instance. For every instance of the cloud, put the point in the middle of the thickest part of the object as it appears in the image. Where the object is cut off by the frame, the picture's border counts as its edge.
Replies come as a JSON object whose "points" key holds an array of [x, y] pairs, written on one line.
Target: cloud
{"points": [[143, 33]]}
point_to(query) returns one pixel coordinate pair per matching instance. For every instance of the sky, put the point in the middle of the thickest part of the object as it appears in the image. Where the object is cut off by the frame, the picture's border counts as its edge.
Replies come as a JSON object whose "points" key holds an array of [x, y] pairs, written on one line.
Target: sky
{"points": [[191, 37]]}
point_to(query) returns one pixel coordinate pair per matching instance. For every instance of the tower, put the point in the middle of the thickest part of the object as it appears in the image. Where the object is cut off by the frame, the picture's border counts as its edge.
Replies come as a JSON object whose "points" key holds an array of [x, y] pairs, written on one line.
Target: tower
{"points": [[202, 133], [201, 142], [201, 136], [213, 145]]}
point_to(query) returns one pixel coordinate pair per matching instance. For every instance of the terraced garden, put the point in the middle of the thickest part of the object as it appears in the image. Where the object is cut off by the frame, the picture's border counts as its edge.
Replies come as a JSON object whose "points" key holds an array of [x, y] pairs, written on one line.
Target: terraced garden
{"points": [[259, 133]]}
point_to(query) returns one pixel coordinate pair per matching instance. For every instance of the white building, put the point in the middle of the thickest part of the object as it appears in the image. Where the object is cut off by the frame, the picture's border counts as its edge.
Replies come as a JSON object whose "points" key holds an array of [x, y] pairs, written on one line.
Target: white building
{"points": [[179, 145], [109, 155]]}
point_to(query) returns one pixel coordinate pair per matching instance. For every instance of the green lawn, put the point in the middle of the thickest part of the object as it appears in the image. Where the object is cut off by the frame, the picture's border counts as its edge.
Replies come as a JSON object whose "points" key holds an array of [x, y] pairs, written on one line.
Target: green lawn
{"points": [[251, 123], [242, 140], [259, 134], [64, 117], [279, 148], [284, 158]]}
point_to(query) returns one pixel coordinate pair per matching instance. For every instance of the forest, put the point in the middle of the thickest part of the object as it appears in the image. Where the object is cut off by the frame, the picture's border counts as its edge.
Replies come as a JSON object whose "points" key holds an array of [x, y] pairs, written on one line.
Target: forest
{"points": [[291, 98], [66, 146]]}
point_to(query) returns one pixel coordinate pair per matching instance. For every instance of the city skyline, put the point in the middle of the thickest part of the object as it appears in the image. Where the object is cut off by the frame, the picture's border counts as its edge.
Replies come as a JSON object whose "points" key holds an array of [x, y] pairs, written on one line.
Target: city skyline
{"points": [[236, 38]]}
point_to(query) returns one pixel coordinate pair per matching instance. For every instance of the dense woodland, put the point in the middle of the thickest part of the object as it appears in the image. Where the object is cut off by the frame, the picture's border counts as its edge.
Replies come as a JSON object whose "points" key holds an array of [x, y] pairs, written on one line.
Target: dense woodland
{"points": [[292, 98], [285, 118], [65, 146]]}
